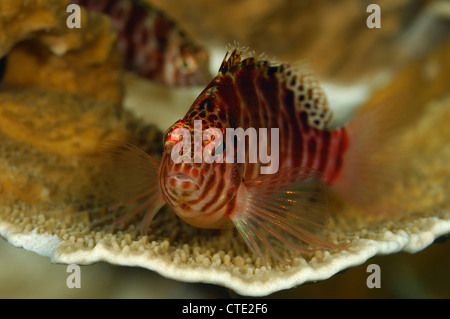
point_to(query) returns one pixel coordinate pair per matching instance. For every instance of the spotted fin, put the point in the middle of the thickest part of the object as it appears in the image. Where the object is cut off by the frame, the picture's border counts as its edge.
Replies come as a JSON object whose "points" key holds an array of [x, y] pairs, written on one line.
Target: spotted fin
{"points": [[309, 96], [286, 207], [280, 86], [135, 183]]}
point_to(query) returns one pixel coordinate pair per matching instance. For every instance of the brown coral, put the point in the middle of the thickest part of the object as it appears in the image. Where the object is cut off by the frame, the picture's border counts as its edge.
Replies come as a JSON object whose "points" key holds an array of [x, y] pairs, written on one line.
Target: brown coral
{"points": [[22, 19], [82, 61]]}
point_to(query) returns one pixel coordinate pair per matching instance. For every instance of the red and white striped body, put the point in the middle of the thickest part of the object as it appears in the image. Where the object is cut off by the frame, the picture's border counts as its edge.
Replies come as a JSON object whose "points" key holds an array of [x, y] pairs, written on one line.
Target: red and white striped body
{"points": [[251, 94]]}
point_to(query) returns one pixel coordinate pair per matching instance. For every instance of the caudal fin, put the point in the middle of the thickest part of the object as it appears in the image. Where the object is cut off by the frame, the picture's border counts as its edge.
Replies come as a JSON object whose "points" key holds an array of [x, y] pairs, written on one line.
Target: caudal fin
{"points": [[375, 161]]}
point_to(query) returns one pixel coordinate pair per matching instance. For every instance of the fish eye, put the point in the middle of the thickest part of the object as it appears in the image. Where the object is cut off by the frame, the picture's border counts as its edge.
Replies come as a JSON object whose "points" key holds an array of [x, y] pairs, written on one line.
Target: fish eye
{"points": [[187, 64], [183, 63], [168, 139]]}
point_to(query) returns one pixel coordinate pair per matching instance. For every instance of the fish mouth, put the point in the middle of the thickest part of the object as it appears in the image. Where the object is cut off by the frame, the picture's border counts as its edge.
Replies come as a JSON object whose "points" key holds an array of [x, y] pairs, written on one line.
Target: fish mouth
{"points": [[182, 177], [182, 182]]}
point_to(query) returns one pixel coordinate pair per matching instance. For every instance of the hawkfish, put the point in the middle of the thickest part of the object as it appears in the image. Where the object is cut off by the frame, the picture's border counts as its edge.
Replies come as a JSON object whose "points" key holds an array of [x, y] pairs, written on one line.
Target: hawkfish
{"points": [[152, 44], [287, 206]]}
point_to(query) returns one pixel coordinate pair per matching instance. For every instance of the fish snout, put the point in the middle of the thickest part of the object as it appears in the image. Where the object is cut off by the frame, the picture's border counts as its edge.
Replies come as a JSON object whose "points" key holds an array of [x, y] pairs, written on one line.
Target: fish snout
{"points": [[181, 184]]}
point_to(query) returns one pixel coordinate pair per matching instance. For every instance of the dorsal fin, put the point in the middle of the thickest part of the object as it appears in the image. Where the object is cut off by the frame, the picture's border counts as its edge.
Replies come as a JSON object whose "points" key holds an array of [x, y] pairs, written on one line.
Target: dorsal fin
{"points": [[298, 79], [309, 96]]}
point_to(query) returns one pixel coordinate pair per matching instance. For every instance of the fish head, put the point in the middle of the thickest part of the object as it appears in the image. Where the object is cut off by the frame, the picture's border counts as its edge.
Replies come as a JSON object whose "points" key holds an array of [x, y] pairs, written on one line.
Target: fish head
{"points": [[192, 65], [196, 187]]}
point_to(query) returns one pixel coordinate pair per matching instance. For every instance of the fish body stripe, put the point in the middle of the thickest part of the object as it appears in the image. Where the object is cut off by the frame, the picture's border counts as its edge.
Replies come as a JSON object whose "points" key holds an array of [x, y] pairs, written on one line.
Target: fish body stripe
{"points": [[260, 101], [254, 94]]}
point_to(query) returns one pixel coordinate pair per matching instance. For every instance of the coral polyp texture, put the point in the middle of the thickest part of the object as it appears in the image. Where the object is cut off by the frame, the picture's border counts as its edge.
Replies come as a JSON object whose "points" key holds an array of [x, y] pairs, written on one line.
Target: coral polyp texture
{"points": [[54, 183]]}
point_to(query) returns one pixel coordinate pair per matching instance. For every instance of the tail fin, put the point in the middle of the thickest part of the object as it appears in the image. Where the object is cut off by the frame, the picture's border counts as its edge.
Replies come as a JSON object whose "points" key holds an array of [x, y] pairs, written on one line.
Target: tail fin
{"points": [[375, 161]]}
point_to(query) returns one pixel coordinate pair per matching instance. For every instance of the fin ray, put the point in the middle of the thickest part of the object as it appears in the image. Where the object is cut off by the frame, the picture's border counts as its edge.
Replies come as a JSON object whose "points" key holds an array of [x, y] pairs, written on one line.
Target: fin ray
{"points": [[136, 183], [276, 209], [376, 157]]}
